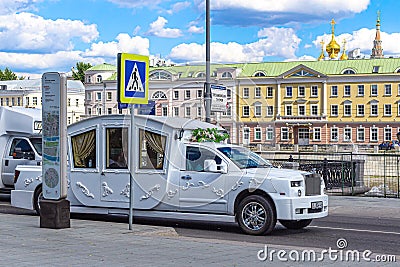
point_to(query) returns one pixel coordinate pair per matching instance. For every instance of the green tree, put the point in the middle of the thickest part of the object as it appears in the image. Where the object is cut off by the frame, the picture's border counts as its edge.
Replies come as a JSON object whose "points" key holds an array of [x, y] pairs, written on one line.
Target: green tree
{"points": [[8, 75], [78, 72]]}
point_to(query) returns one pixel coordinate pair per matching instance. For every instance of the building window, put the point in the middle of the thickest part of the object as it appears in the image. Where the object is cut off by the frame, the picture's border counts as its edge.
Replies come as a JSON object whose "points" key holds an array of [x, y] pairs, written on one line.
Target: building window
{"points": [[289, 91], [334, 110], [314, 91], [245, 92], [270, 91], [187, 111], [69, 102], [109, 111], [98, 111], [176, 111], [388, 89], [388, 134], [98, 94], [360, 110], [88, 79], [176, 95], [284, 134], [246, 111], [334, 90], [373, 134], [198, 111], [349, 71], [187, 94], [257, 110], [257, 92], [34, 101], [228, 93], [228, 111], [270, 111], [360, 90], [269, 134], [398, 89], [360, 134], [18, 101], [99, 79], [77, 102], [347, 134], [1, 101], [226, 75], [257, 133], [302, 91], [26, 99], [374, 90], [199, 93], [288, 110], [334, 134], [165, 111], [89, 111], [317, 134], [398, 109], [347, 109], [314, 110], [89, 96], [388, 110], [375, 69], [302, 110], [109, 96], [374, 109], [347, 90]]}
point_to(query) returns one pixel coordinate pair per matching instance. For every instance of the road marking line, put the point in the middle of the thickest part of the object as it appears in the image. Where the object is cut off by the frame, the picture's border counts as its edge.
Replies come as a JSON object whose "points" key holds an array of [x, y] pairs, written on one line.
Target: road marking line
{"points": [[355, 230]]}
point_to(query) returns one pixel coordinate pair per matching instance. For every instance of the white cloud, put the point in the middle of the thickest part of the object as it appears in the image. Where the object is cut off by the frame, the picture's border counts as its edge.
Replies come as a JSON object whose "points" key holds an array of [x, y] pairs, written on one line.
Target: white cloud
{"points": [[195, 29], [178, 7], [12, 6], [157, 29], [278, 42], [363, 39], [28, 32], [124, 43]]}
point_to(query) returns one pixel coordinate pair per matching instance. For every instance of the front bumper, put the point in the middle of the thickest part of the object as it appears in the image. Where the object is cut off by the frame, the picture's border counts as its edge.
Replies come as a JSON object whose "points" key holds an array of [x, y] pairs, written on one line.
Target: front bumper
{"points": [[299, 208]]}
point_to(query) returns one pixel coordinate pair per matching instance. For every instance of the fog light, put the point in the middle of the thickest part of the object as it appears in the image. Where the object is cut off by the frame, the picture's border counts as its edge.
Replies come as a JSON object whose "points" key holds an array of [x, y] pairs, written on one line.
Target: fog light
{"points": [[299, 193]]}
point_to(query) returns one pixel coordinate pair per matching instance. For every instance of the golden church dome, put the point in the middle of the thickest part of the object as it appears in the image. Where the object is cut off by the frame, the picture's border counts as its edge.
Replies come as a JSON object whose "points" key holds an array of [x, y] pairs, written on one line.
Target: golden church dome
{"points": [[333, 48]]}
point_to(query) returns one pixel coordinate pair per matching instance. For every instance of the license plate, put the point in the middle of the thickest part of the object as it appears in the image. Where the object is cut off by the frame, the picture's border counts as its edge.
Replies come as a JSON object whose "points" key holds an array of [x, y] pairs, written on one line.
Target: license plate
{"points": [[317, 205]]}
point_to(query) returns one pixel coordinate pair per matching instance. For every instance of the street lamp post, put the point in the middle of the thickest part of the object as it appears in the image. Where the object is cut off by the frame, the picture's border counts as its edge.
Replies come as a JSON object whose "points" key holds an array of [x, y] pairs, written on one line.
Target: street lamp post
{"points": [[207, 94], [104, 97]]}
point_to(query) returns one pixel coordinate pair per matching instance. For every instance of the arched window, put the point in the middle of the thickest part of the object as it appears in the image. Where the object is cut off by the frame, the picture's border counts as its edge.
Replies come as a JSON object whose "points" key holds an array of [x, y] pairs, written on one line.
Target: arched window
{"points": [[200, 75], [99, 79], [259, 74], [348, 71], [397, 70], [160, 75], [226, 75], [159, 95]]}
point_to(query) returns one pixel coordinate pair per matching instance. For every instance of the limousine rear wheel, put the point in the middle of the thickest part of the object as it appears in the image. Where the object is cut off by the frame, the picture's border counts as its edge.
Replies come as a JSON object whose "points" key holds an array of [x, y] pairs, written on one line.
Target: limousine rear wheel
{"points": [[255, 215], [36, 199]]}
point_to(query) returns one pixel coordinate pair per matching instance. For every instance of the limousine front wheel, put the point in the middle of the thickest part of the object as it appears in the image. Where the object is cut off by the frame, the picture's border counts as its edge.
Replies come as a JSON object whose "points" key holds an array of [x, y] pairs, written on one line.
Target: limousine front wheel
{"points": [[255, 215]]}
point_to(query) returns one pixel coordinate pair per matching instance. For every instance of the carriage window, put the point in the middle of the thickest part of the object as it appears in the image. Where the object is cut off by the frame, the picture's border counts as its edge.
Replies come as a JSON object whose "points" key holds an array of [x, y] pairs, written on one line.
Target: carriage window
{"points": [[151, 150], [84, 149], [117, 148]]}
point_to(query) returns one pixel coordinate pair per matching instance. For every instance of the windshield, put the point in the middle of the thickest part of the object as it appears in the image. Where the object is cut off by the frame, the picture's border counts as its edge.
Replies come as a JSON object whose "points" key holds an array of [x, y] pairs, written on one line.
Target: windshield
{"points": [[244, 158], [37, 144]]}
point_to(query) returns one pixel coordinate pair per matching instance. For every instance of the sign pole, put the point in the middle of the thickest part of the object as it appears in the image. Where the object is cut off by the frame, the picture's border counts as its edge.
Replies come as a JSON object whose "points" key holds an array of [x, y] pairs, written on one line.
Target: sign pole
{"points": [[131, 168]]}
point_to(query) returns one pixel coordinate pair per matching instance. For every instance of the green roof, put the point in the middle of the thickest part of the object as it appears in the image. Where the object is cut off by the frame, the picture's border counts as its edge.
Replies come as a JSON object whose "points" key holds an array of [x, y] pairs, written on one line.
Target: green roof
{"points": [[103, 67], [273, 69]]}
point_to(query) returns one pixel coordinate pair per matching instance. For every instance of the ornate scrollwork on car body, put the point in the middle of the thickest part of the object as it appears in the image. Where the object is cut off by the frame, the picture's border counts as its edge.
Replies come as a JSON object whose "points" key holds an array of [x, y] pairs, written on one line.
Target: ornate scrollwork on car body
{"points": [[150, 192], [171, 193], [187, 186], [218, 192], [107, 189], [203, 184], [254, 184], [85, 190], [126, 190], [68, 183], [236, 185], [38, 178], [28, 181]]}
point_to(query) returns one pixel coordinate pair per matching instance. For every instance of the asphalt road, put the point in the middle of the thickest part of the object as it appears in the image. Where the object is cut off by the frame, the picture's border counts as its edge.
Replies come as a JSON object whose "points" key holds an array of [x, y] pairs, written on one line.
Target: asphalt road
{"points": [[363, 229]]}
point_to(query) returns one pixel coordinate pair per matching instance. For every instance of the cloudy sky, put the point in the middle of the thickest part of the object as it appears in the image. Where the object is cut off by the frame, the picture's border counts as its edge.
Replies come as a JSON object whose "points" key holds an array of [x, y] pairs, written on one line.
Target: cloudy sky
{"points": [[37, 36]]}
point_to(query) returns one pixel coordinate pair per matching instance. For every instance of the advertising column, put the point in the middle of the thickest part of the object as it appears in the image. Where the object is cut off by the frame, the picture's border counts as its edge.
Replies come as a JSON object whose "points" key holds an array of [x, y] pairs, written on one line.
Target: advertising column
{"points": [[54, 208]]}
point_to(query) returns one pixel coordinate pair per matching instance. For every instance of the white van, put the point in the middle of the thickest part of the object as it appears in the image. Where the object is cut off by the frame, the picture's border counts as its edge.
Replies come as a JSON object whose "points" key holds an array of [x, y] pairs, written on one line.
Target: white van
{"points": [[20, 141], [176, 176]]}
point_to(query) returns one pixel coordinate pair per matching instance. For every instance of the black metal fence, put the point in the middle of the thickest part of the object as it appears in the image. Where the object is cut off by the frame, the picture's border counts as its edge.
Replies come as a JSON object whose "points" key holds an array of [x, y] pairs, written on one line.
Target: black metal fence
{"points": [[346, 173]]}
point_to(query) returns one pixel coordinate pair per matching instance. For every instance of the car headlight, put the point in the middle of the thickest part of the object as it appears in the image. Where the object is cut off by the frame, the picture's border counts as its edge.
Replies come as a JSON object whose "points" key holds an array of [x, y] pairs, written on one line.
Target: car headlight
{"points": [[295, 183]]}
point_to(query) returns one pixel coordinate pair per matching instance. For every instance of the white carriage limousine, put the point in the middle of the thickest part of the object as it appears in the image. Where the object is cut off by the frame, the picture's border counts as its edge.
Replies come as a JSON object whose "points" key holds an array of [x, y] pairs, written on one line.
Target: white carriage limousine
{"points": [[176, 177]]}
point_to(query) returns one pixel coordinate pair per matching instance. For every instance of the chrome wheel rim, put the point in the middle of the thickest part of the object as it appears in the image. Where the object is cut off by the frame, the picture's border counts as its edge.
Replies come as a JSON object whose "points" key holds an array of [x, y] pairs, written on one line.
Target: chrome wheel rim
{"points": [[254, 216]]}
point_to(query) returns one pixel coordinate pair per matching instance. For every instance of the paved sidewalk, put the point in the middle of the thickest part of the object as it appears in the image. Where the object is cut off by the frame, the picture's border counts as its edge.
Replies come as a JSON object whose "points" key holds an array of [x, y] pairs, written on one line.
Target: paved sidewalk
{"points": [[94, 243]]}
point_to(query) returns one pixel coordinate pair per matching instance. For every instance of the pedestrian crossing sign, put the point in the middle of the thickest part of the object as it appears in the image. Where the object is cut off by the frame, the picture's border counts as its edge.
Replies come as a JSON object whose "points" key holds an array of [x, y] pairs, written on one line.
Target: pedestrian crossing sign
{"points": [[132, 78]]}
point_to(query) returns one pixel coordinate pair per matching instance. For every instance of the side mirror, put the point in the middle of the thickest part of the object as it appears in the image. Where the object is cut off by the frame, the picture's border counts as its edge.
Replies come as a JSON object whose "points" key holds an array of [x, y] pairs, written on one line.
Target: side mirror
{"points": [[211, 166]]}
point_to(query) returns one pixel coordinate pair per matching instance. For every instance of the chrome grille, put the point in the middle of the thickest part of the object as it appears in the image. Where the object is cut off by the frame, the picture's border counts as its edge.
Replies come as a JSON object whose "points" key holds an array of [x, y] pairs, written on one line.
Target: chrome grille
{"points": [[313, 184]]}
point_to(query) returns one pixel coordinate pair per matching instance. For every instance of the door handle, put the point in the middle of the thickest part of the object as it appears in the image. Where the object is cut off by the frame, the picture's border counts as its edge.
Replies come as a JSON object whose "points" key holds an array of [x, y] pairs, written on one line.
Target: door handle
{"points": [[6, 162], [186, 177]]}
